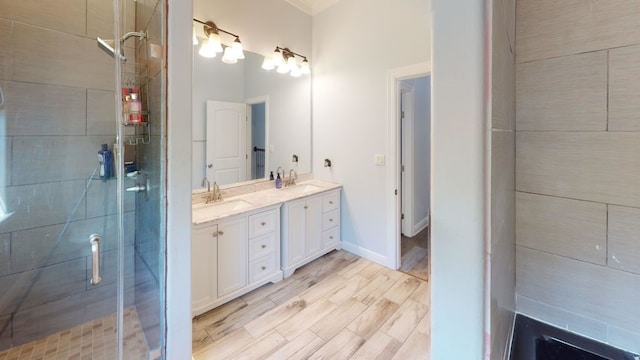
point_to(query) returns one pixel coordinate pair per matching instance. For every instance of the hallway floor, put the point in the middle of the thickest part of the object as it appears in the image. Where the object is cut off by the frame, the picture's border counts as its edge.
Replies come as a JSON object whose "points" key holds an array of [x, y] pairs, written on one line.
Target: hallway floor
{"points": [[415, 254], [339, 306]]}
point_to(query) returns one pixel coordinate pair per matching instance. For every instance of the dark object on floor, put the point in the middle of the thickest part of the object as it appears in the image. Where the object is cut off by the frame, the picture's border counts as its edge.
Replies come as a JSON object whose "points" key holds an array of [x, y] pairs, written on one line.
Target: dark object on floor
{"points": [[534, 340]]}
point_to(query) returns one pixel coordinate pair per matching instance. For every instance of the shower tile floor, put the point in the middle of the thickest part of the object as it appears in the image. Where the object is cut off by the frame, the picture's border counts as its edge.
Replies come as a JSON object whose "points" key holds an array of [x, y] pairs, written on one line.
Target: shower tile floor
{"points": [[94, 340]]}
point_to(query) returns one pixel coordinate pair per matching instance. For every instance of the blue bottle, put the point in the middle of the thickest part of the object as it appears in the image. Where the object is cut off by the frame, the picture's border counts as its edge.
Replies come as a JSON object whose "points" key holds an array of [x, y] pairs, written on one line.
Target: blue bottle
{"points": [[105, 160], [278, 181]]}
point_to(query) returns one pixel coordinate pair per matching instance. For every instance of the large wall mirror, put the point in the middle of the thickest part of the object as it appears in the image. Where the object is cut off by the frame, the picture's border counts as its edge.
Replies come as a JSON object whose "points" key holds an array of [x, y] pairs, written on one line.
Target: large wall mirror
{"points": [[278, 112]]}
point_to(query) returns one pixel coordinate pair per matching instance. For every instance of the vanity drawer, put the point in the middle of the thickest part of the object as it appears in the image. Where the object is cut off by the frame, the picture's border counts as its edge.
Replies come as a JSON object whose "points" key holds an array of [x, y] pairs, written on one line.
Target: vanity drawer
{"points": [[331, 237], [263, 223], [331, 219], [262, 268], [262, 246], [331, 201]]}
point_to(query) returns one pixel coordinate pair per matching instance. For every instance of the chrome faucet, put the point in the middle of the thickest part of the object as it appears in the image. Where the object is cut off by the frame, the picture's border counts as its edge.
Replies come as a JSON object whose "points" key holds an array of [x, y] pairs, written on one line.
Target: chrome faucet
{"points": [[217, 196], [278, 171], [292, 178]]}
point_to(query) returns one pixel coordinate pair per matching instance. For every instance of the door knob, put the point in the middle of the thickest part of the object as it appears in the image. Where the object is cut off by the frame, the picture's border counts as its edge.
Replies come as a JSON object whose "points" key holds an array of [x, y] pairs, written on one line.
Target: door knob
{"points": [[210, 166]]}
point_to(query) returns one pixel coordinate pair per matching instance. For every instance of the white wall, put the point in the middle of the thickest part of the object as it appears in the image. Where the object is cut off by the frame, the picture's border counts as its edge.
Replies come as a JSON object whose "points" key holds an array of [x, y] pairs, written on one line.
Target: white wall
{"points": [[457, 180], [355, 44]]}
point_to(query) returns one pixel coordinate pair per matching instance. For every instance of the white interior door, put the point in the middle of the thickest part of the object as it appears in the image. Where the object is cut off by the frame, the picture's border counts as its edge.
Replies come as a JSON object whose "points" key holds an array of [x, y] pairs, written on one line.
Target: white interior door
{"points": [[226, 142]]}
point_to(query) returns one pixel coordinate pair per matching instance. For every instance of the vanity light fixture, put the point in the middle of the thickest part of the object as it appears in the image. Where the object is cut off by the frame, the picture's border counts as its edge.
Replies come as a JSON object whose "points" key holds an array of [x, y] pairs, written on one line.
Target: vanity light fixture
{"points": [[212, 45], [284, 61]]}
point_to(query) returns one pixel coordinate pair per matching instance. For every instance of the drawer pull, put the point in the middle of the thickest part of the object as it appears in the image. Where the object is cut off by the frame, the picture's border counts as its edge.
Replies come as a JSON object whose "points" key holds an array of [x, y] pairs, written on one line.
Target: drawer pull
{"points": [[215, 234], [264, 246], [264, 268], [331, 237], [220, 233], [263, 223], [330, 202], [330, 220], [305, 207]]}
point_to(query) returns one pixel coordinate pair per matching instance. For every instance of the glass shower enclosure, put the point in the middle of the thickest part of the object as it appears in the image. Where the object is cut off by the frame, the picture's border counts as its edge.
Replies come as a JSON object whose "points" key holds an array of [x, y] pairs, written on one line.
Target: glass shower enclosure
{"points": [[82, 174]]}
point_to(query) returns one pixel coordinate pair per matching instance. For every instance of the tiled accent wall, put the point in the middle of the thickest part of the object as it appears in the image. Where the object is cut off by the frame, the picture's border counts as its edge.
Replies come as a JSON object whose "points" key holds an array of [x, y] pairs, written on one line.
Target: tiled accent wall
{"points": [[59, 109], [150, 209], [502, 177], [578, 166]]}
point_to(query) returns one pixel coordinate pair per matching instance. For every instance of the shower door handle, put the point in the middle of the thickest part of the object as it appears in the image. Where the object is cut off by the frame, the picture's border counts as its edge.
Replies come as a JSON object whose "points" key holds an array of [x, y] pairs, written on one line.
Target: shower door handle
{"points": [[94, 240]]}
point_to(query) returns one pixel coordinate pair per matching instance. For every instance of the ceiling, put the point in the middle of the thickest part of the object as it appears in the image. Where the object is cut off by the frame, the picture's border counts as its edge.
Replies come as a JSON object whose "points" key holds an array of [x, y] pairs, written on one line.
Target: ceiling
{"points": [[312, 7]]}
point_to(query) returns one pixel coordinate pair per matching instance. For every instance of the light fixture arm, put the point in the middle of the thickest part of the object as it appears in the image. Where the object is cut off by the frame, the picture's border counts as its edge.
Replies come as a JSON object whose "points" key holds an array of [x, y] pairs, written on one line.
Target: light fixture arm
{"points": [[286, 53], [211, 25]]}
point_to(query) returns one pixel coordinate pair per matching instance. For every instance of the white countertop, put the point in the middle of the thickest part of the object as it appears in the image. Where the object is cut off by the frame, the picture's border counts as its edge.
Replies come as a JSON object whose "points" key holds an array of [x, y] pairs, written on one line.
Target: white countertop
{"points": [[204, 213]]}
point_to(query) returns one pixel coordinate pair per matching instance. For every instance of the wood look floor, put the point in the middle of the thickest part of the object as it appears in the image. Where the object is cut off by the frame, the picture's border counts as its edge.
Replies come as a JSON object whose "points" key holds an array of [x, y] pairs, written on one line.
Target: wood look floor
{"points": [[340, 306], [414, 254]]}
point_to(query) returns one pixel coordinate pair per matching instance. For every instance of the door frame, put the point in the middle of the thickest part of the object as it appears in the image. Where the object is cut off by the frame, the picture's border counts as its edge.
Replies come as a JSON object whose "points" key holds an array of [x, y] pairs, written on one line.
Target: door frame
{"points": [[394, 77], [405, 186]]}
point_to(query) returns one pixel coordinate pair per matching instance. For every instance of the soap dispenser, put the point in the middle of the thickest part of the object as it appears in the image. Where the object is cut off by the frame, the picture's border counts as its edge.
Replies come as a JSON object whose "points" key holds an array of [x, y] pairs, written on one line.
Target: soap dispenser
{"points": [[278, 181]]}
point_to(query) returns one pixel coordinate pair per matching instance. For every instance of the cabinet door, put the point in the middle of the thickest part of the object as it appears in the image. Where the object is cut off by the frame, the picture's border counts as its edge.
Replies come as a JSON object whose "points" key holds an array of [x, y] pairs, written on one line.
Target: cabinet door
{"points": [[296, 231], [314, 225], [204, 275], [232, 255]]}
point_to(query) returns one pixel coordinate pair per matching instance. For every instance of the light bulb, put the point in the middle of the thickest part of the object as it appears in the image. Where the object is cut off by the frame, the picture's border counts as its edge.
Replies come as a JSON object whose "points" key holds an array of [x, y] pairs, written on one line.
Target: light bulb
{"points": [[267, 64], [195, 39], [208, 49], [237, 48], [292, 64], [277, 58], [304, 67], [229, 56]]}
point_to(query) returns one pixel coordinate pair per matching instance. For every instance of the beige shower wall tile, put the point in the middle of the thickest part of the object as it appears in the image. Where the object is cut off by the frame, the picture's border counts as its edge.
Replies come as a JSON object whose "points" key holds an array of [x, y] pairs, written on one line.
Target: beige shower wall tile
{"points": [[568, 93], [5, 253], [592, 291], [100, 18], [624, 238], [571, 228], [6, 48], [624, 89], [551, 28], [503, 79], [38, 109], [62, 15], [51, 57], [101, 112], [594, 166]]}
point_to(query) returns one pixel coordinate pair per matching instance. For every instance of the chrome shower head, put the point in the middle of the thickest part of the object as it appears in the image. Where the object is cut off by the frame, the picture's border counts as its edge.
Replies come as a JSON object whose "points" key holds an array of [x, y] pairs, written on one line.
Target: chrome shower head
{"points": [[108, 47]]}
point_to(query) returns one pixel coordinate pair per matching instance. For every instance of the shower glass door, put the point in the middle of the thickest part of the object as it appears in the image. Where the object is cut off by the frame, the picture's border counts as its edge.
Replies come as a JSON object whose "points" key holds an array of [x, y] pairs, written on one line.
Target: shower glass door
{"points": [[81, 180]]}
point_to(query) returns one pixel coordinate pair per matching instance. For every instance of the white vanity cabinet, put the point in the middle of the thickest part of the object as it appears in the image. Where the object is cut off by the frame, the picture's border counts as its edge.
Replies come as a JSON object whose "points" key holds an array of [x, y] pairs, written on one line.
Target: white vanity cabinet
{"points": [[311, 228], [233, 256]]}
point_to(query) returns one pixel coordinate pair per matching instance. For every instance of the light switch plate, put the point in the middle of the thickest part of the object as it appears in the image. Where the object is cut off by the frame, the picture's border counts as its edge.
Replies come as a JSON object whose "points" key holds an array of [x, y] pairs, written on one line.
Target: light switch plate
{"points": [[379, 159]]}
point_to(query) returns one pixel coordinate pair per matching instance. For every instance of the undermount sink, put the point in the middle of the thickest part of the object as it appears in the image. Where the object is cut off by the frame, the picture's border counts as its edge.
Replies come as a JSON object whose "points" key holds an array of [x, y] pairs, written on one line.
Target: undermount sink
{"points": [[217, 209], [300, 189]]}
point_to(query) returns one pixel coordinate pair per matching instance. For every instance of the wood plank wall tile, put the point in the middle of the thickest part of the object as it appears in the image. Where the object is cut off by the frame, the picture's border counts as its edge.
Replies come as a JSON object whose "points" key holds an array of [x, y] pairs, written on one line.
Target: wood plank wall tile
{"points": [[602, 293], [571, 228], [551, 28], [61, 15], [567, 93], [624, 238], [593, 166], [624, 89], [6, 48]]}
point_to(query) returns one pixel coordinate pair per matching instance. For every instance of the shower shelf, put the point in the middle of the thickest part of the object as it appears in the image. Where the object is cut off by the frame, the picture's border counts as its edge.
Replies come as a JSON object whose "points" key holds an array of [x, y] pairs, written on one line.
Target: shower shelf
{"points": [[138, 139], [138, 124]]}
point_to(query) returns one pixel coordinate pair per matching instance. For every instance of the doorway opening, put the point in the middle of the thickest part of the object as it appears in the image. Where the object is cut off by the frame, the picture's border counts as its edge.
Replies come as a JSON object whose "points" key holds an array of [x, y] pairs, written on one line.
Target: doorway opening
{"points": [[410, 168]]}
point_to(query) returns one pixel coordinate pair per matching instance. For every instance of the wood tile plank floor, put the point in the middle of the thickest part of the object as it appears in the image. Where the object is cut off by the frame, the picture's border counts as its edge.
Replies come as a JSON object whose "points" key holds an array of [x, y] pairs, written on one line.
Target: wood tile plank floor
{"points": [[415, 255], [339, 306]]}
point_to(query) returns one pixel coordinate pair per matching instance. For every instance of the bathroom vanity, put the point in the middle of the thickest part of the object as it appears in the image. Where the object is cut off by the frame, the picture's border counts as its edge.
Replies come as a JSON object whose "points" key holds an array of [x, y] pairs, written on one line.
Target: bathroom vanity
{"points": [[258, 237]]}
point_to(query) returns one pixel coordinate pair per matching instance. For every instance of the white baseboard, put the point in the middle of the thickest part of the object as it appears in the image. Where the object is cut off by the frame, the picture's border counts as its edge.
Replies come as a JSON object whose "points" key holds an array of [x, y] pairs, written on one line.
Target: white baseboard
{"points": [[367, 254], [421, 225]]}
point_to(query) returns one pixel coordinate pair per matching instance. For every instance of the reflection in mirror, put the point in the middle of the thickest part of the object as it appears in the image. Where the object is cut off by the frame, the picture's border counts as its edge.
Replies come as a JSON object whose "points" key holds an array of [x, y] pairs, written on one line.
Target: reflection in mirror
{"points": [[248, 121]]}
